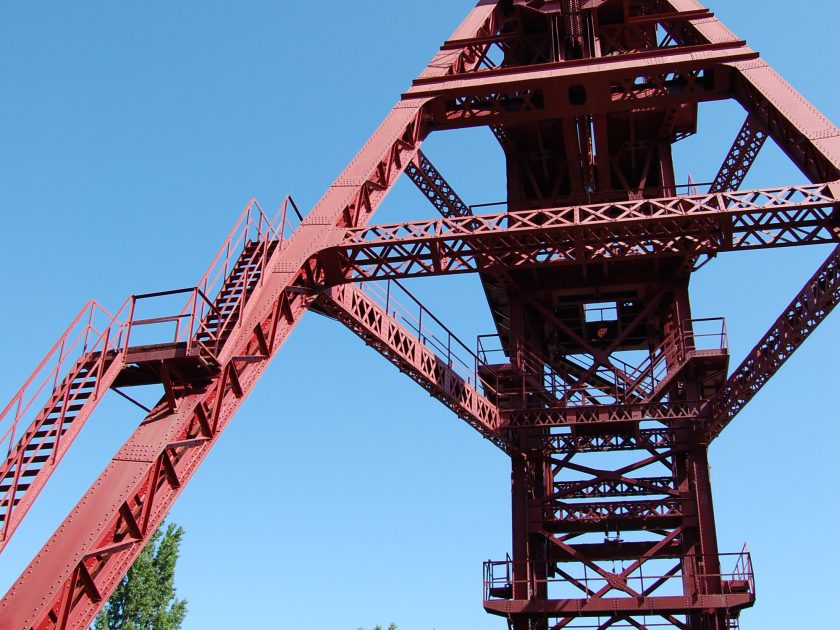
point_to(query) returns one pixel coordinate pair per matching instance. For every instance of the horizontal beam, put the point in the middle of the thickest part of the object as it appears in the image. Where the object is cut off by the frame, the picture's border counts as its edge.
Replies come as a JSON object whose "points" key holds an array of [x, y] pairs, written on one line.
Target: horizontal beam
{"points": [[671, 77], [614, 550], [571, 442], [605, 606], [802, 316], [578, 69], [611, 488], [673, 226], [621, 515], [629, 414]]}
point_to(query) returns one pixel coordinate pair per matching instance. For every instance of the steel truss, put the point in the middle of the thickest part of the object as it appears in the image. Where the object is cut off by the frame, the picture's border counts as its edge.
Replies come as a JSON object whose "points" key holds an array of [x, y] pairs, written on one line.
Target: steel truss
{"points": [[811, 306], [740, 158], [675, 226], [586, 273]]}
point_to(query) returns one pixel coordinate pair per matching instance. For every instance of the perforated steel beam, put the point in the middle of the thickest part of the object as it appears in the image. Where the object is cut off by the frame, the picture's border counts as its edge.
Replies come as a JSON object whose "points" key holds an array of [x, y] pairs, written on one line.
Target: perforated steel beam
{"points": [[611, 84], [435, 188], [740, 158], [74, 573], [405, 349], [677, 226], [808, 309]]}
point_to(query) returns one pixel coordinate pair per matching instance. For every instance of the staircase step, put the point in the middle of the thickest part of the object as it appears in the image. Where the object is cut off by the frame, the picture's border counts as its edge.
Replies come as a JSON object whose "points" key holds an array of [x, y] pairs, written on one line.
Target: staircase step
{"points": [[7, 485], [58, 408], [46, 427], [28, 473]]}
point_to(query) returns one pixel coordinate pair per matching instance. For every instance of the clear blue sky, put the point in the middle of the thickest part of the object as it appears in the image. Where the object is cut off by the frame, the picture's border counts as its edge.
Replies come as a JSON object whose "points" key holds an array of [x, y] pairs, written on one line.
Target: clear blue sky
{"points": [[132, 135]]}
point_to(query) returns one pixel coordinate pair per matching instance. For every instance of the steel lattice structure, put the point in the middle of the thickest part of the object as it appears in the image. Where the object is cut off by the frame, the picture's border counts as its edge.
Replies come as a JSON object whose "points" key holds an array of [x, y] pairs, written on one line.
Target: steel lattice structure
{"points": [[586, 272]]}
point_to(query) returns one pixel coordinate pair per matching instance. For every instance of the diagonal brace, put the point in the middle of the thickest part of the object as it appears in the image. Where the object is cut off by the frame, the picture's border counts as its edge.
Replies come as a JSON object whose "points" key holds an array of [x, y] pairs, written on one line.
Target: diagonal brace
{"points": [[810, 307], [435, 188], [741, 157], [405, 349]]}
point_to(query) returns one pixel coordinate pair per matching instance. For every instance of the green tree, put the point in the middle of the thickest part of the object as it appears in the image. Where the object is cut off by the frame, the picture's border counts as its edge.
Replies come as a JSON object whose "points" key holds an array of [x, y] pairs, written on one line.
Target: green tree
{"points": [[146, 598]]}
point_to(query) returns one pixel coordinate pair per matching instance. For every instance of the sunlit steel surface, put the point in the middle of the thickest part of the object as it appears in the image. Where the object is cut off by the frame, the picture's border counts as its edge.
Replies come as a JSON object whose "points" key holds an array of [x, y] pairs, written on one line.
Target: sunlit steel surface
{"points": [[586, 268]]}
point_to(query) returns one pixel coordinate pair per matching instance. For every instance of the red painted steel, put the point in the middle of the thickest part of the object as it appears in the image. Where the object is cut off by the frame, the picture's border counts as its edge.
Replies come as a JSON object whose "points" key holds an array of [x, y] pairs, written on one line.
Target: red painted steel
{"points": [[811, 306], [44, 417], [740, 158], [69, 580], [438, 361], [586, 272], [674, 226], [435, 188]]}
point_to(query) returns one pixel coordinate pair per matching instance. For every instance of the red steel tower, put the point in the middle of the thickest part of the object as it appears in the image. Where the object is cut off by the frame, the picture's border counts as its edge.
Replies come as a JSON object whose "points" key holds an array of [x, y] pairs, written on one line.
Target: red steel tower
{"points": [[598, 382]]}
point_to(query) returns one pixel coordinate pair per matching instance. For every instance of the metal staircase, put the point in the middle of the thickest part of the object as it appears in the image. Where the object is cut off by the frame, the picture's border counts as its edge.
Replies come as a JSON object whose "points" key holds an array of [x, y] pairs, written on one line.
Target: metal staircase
{"points": [[47, 413], [96, 354]]}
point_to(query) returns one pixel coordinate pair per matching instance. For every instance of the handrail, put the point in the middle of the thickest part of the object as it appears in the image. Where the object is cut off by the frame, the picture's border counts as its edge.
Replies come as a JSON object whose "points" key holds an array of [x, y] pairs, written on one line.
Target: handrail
{"points": [[603, 197], [252, 229], [499, 585], [73, 344], [430, 330], [619, 385], [95, 340]]}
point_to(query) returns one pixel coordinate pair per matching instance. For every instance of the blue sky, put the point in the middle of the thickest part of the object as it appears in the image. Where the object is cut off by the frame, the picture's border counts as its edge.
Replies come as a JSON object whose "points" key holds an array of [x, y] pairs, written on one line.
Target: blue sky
{"points": [[134, 133]]}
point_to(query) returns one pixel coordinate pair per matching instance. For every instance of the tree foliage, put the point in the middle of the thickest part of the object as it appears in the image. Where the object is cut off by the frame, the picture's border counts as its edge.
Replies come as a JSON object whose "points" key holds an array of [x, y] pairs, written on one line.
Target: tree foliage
{"points": [[146, 598]]}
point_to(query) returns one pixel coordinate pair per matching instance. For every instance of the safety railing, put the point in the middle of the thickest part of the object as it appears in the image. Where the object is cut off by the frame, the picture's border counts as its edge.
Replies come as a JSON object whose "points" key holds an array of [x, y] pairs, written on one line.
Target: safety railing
{"points": [[584, 382], [643, 575], [409, 312], [70, 379], [93, 333], [529, 373], [585, 199], [98, 333], [215, 305], [185, 324], [706, 334]]}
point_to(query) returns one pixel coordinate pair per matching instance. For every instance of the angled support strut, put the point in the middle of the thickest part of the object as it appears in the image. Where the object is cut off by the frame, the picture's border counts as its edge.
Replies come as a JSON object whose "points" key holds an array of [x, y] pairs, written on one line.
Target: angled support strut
{"points": [[802, 316]]}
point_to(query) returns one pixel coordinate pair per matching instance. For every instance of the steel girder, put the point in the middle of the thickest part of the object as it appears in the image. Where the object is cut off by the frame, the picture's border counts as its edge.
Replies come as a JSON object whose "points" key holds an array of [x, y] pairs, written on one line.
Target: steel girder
{"points": [[570, 442], [72, 576], [671, 77], [740, 158], [811, 306], [676, 226], [435, 188], [698, 60], [407, 350]]}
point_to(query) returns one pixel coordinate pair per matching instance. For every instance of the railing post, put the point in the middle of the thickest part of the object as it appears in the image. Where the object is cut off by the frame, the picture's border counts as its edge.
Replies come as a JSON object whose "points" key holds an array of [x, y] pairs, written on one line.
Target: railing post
{"points": [[227, 258], [101, 367], [11, 494], [129, 325], [420, 326], [87, 332], [264, 257], [60, 361], [13, 428], [725, 336], [242, 298], [283, 222], [59, 428]]}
